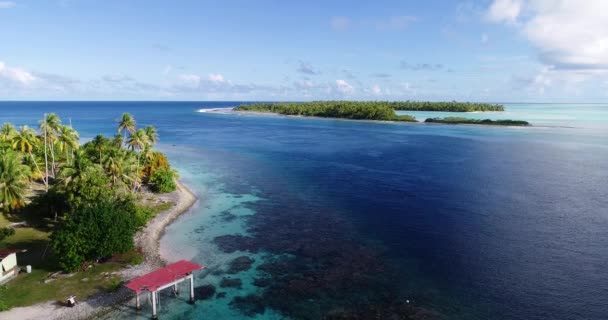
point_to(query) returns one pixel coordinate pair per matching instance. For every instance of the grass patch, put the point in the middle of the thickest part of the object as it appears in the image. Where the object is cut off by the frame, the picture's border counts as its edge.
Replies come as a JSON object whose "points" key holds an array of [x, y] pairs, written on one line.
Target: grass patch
{"points": [[28, 289]]}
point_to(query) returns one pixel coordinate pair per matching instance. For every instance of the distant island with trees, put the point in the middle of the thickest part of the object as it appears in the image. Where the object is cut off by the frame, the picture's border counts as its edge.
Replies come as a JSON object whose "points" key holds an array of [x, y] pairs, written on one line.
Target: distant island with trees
{"points": [[460, 120], [380, 110]]}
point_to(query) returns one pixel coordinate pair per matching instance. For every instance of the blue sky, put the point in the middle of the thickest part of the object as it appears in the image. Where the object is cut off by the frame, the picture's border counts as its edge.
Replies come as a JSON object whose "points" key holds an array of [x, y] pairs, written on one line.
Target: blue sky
{"points": [[493, 50]]}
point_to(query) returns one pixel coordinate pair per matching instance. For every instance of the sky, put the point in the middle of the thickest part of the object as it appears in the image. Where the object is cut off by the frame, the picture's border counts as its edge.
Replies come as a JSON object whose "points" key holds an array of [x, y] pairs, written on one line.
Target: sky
{"points": [[485, 50]]}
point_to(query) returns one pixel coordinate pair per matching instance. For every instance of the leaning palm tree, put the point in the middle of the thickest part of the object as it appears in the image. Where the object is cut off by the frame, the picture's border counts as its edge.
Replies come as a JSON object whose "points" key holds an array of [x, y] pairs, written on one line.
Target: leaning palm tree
{"points": [[67, 141], [26, 141], [13, 181], [7, 132], [49, 127], [137, 141], [126, 123], [152, 134]]}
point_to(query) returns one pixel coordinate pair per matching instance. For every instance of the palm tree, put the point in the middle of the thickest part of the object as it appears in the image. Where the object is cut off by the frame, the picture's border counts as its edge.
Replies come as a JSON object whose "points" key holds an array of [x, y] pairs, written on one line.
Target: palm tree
{"points": [[137, 141], [50, 126], [7, 132], [99, 143], [25, 141], [67, 141], [76, 170], [152, 134], [118, 141], [126, 123], [121, 167], [13, 181]]}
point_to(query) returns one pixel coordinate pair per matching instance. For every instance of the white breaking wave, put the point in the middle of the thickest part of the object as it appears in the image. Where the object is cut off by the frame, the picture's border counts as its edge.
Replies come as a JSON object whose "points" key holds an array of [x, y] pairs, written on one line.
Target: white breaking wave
{"points": [[215, 110]]}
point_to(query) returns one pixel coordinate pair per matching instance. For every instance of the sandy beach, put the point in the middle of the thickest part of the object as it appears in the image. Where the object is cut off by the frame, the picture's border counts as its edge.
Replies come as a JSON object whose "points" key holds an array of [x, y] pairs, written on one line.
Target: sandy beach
{"points": [[147, 239]]}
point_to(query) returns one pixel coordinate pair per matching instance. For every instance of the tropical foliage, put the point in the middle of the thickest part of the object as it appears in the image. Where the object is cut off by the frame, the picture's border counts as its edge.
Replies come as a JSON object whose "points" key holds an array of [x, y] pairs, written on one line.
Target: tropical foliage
{"points": [[95, 232], [331, 109], [372, 110], [91, 189], [13, 181], [460, 120], [163, 180]]}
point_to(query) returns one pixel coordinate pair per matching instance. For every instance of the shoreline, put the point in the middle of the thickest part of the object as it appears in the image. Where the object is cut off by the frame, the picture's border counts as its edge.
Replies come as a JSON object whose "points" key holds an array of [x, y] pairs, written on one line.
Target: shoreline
{"points": [[147, 239]]}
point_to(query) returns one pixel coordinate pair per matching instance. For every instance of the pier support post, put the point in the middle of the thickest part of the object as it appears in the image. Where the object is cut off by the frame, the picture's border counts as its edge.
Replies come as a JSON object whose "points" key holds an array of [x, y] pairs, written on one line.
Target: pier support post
{"points": [[154, 316], [176, 289], [137, 303], [191, 288]]}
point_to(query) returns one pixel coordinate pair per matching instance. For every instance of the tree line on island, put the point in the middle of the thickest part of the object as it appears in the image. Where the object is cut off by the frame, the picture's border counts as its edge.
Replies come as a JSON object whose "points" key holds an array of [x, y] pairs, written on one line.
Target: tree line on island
{"points": [[379, 110], [90, 192]]}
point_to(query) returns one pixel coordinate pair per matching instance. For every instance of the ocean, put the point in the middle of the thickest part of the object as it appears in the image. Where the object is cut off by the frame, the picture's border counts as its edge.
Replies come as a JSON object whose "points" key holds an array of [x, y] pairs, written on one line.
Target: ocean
{"points": [[347, 219]]}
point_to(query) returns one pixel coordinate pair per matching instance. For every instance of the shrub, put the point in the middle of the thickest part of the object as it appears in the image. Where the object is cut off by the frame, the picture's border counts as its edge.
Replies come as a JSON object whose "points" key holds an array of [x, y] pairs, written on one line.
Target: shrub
{"points": [[94, 232], [6, 232], [163, 180]]}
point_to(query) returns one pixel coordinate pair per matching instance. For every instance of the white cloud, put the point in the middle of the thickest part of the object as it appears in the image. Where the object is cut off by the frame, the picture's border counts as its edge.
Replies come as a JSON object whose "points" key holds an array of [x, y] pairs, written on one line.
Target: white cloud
{"points": [[16, 75], [307, 68], [303, 84], [505, 10], [189, 80], [569, 34], [7, 4], [216, 78], [344, 87], [376, 90]]}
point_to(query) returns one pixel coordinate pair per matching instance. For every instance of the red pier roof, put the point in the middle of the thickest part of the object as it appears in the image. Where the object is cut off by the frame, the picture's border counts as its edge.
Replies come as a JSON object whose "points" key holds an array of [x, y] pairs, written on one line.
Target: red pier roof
{"points": [[156, 279]]}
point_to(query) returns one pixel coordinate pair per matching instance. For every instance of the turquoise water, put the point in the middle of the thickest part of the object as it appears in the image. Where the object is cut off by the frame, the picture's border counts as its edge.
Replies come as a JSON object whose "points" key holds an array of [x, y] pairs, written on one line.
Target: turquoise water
{"points": [[348, 218]]}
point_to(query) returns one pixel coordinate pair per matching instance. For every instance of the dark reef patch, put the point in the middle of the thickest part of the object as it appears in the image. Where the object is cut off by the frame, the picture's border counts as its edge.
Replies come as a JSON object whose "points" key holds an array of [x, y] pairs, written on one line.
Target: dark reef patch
{"points": [[204, 292], [242, 263], [320, 268], [231, 283]]}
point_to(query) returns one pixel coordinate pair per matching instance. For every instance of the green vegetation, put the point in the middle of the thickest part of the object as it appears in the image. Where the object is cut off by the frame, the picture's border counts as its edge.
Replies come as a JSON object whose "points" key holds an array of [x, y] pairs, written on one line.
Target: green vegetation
{"points": [[331, 109], [76, 205], [6, 232], [451, 106], [163, 180], [370, 110], [459, 120]]}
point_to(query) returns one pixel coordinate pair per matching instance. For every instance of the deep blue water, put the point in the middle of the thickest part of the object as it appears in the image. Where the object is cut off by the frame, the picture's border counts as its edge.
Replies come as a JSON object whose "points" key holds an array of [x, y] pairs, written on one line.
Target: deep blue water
{"points": [[477, 222]]}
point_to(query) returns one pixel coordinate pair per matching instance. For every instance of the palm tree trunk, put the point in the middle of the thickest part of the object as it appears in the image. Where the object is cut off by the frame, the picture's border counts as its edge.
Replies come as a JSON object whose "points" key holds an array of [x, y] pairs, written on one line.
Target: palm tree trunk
{"points": [[53, 157], [46, 184], [46, 159], [136, 173]]}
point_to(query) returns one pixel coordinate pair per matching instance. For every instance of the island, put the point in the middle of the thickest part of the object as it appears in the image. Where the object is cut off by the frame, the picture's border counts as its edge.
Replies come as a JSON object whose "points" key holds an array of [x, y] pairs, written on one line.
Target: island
{"points": [[460, 120], [380, 110], [355, 110], [81, 214]]}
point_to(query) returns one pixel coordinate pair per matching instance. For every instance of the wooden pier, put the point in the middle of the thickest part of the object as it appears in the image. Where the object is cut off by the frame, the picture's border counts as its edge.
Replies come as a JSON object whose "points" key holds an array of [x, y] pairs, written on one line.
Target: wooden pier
{"points": [[169, 276]]}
